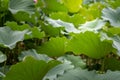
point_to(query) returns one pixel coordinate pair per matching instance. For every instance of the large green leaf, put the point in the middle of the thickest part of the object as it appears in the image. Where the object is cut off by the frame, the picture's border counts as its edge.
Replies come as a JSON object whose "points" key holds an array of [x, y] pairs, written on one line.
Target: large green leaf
{"points": [[54, 47], [112, 15], [69, 27], [89, 43], [34, 54], [30, 69], [3, 57], [21, 5], [94, 25], [9, 38]]}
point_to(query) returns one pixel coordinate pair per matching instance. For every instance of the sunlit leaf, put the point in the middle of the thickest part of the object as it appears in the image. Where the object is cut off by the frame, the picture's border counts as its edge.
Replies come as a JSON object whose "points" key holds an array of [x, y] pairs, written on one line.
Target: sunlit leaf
{"points": [[76, 19], [94, 25], [54, 47], [69, 27], [52, 5], [89, 43], [73, 5], [30, 69]]}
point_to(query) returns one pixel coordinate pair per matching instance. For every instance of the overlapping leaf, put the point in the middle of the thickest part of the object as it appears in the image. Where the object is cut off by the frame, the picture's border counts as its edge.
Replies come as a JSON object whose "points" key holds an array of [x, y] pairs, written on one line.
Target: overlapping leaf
{"points": [[52, 5], [78, 74], [21, 5], [69, 27], [76, 19], [112, 15], [30, 69], [116, 43], [9, 38], [34, 54], [73, 5], [54, 47], [94, 25], [3, 57]]}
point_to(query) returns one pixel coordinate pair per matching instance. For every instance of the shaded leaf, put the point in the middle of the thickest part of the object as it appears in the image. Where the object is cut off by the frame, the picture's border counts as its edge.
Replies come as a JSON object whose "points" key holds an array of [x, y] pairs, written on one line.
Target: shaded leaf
{"points": [[3, 57], [58, 70], [34, 33], [112, 64], [26, 17], [112, 15], [21, 5], [9, 38], [116, 43], [34, 54], [78, 74], [76, 61]]}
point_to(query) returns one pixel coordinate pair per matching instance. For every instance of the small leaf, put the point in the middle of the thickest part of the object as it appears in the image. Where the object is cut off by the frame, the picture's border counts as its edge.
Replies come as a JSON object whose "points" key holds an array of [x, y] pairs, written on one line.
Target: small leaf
{"points": [[34, 33], [30, 69], [15, 26], [94, 25], [34, 54], [116, 43], [3, 57]]}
